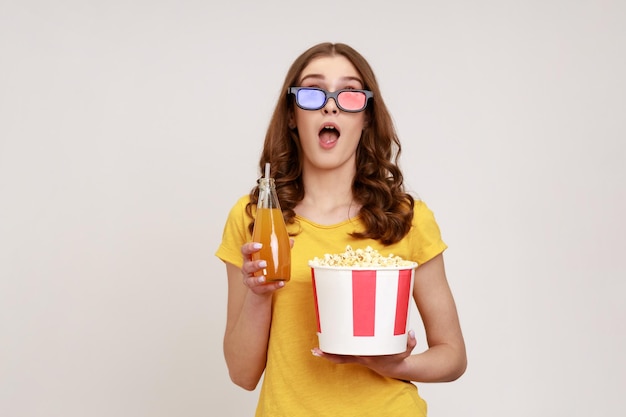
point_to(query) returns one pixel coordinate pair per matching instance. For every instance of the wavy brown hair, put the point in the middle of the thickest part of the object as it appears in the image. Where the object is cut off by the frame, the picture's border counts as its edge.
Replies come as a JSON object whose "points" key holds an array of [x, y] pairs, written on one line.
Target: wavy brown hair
{"points": [[386, 208]]}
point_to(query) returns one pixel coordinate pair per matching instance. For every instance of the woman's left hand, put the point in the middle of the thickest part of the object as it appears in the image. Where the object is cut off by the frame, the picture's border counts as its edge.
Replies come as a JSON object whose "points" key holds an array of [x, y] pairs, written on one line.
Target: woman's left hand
{"points": [[385, 365]]}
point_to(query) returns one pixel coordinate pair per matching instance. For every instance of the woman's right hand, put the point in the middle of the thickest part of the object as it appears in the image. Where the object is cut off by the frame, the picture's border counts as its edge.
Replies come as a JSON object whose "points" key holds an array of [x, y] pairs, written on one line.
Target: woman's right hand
{"points": [[256, 284]]}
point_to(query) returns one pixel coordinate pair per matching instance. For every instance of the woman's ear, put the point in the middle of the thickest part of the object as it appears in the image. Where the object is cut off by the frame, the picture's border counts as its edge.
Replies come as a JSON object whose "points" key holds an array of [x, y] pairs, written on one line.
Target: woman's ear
{"points": [[292, 123]]}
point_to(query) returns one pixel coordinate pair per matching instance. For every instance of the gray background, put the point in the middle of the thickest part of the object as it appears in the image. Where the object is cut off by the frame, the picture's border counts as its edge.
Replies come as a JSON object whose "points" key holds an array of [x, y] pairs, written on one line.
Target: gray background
{"points": [[129, 128]]}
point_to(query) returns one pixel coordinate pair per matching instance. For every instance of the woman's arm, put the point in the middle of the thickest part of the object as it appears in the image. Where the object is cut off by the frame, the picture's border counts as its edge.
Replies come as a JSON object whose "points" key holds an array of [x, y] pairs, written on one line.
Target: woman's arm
{"points": [[248, 319], [445, 359]]}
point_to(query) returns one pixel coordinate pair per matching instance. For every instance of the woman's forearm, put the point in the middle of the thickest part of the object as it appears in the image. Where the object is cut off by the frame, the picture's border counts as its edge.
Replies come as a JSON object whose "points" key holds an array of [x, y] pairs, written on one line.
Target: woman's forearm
{"points": [[249, 316], [245, 342], [441, 363]]}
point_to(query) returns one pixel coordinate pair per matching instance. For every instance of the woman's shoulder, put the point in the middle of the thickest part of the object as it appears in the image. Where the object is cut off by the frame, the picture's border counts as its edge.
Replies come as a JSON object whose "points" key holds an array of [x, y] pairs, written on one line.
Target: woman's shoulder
{"points": [[422, 213], [425, 234], [243, 200], [238, 208], [420, 206]]}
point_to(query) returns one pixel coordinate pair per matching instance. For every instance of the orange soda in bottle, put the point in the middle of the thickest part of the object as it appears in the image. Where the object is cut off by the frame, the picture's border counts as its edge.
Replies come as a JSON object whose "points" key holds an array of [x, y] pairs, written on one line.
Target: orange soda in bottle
{"points": [[271, 231]]}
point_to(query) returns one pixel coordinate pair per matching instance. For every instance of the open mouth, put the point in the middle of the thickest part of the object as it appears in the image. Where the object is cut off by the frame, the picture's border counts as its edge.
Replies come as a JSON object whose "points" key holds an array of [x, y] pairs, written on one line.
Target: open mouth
{"points": [[329, 134]]}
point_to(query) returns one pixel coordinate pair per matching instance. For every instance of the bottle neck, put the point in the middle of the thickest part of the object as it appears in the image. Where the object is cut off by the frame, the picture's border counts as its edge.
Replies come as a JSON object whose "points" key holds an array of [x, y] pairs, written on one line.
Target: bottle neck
{"points": [[267, 194]]}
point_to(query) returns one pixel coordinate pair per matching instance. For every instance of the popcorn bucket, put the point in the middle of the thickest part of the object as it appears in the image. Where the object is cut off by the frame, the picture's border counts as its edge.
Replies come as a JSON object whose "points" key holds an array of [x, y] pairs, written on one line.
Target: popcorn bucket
{"points": [[362, 310]]}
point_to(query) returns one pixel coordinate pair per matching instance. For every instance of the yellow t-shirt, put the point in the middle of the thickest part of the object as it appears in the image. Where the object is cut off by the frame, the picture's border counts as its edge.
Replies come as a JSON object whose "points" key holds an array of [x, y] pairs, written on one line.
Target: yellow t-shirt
{"points": [[296, 383]]}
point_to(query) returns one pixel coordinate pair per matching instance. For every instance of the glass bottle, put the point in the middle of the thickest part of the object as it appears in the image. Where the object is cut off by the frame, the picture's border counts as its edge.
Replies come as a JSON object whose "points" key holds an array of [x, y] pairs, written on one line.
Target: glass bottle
{"points": [[271, 231]]}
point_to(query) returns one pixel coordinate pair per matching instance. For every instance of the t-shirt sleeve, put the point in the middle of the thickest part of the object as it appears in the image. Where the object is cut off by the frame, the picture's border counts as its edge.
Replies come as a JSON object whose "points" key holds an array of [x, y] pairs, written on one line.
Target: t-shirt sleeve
{"points": [[425, 235], [235, 234]]}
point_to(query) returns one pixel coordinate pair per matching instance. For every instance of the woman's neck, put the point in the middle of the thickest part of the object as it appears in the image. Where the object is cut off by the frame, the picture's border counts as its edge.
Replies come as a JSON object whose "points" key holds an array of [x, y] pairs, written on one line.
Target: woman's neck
{"points": [[328, 198]]}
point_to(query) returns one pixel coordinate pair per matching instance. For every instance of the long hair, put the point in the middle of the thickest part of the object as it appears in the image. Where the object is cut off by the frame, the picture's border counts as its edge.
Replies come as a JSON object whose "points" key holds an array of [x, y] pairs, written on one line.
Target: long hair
{"points": [[386, 208]]}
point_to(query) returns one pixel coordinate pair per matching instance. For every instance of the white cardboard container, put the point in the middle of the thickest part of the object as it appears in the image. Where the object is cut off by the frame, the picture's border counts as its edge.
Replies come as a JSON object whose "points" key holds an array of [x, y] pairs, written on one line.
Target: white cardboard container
{"points": [[362, 311]]}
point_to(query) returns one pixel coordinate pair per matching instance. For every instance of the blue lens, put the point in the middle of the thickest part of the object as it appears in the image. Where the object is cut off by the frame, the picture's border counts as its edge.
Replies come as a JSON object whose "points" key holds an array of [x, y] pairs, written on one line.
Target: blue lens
{"points": [[311, 99]]}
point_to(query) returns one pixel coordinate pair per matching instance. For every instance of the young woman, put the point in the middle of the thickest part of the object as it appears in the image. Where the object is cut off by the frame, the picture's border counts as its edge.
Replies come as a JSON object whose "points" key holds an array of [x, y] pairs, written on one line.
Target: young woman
{"points": [[334, 155]]}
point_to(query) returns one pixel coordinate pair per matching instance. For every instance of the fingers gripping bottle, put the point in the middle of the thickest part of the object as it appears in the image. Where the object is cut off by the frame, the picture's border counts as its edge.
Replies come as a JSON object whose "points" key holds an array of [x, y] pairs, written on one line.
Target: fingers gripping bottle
{"points": [[271, 231]]}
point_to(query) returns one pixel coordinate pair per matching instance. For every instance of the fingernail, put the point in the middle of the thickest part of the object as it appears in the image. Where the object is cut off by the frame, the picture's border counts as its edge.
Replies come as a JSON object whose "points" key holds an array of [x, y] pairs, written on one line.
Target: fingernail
{"points": [[315, 353], [261, 279], [411, 334], [257, 245], [281, 283], [262, 264]]}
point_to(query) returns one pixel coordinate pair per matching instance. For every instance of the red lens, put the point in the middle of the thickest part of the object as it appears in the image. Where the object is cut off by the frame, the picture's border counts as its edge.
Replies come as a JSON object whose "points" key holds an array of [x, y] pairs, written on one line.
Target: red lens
{"points": [[352, 100]]}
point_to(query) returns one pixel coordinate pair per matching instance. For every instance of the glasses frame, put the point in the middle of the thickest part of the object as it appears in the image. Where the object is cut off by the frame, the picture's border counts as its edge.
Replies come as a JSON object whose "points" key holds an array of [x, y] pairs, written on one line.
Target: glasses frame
{"points": [[333, 95]]}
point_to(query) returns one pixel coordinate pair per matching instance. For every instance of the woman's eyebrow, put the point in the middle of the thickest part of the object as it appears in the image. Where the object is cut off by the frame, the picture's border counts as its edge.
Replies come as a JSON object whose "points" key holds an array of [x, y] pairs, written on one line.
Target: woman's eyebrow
{"points": [[321, 77], [314, 76], [357, 79]]}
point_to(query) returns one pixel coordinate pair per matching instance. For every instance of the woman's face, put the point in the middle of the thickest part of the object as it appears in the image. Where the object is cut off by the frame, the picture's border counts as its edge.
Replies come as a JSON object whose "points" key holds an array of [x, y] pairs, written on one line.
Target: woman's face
{"points": [[329, 136]]}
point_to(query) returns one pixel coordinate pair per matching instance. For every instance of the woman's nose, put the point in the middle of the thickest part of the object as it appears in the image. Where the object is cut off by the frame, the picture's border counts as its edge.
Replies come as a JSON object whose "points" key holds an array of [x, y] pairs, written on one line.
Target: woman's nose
{"points": [[330, 106]]}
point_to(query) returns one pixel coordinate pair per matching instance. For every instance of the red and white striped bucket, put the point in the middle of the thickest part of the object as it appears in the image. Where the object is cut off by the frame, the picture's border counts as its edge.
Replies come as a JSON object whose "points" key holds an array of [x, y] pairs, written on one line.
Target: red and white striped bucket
{"points": [[362, 311]]}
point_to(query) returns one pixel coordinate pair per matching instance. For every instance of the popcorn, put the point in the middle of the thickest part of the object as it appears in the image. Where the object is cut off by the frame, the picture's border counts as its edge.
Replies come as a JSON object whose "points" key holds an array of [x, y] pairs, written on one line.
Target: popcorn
{"points": [[367, 257]]}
